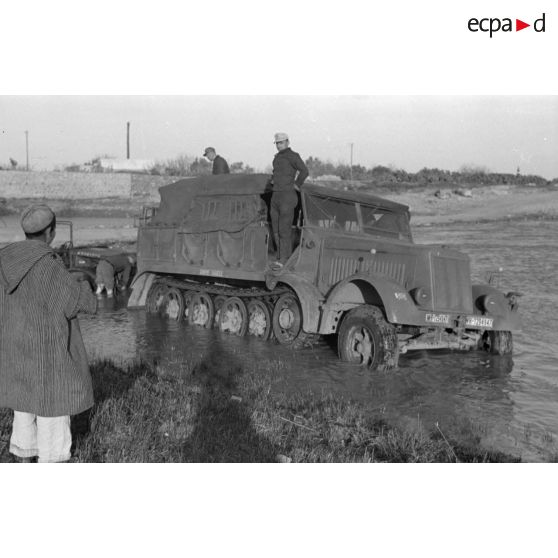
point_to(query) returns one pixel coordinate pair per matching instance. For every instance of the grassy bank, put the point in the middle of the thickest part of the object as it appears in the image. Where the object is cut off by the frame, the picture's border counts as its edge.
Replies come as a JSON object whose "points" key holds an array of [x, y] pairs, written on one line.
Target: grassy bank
{"points": [[218, 412]]}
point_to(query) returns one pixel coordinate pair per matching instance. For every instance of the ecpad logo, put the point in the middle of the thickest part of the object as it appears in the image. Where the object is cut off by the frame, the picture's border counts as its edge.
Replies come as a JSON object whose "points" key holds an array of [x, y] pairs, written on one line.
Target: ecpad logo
{"points": [[492, 25]]}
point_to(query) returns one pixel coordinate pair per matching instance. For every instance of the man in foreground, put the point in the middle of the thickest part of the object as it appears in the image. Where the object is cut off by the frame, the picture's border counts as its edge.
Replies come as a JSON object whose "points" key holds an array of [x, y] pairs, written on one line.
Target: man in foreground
{"points": [[44, 373], [220, 166], [289, 173]]}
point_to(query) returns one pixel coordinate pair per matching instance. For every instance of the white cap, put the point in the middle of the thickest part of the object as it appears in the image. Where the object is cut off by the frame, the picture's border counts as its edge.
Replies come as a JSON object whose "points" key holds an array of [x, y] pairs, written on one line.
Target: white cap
{"points": [[280, 136]]}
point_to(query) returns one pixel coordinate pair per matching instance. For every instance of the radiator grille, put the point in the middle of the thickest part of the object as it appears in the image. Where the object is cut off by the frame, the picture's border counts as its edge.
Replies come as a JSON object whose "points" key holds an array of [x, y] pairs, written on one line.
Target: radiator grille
{"points": [[451, 284]]}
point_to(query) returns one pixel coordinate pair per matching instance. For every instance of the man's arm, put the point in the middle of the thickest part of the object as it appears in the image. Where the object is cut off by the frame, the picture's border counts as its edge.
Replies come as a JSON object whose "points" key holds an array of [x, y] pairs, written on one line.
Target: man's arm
{"points": [[62, 292], [302, 169]]}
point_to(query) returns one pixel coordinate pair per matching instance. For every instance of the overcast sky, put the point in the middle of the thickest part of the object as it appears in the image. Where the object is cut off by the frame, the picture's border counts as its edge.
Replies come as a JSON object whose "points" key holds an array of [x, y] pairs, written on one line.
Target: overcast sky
{"points": [[408, 132]]}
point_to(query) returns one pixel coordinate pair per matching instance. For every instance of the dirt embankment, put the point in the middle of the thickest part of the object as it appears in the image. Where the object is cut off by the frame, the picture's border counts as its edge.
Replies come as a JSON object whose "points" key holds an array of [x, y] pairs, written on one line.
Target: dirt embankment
{"points": [[439, 206]]}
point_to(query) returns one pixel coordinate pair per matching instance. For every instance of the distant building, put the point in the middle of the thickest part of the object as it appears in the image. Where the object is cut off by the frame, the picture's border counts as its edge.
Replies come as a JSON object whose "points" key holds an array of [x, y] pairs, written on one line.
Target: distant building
{"points": [[118, 165], [126, 165]]}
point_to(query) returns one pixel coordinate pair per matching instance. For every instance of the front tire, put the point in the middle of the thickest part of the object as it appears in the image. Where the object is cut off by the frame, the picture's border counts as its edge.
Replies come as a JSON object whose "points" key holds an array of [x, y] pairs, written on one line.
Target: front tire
{"points": [[366, 338], [497, 342]]}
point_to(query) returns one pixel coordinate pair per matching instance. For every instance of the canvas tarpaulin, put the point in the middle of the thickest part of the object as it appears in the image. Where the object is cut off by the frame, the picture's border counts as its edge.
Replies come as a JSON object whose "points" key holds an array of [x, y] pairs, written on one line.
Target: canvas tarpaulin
{"points": [[225, 202]]}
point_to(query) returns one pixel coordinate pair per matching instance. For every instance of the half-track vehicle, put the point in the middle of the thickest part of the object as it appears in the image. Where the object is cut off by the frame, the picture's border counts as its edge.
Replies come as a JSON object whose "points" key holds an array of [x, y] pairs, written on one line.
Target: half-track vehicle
{"points": [[204, 256]]}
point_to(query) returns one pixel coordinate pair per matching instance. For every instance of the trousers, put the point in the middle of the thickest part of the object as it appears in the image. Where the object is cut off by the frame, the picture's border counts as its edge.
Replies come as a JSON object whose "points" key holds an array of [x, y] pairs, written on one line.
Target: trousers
{"points": [[282, 207], [105, 275], [50, 438]]}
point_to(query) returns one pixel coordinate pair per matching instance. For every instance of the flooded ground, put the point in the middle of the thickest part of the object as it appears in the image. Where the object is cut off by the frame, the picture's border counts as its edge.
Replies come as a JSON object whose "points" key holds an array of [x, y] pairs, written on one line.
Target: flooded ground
{"points": [[510, 403]]}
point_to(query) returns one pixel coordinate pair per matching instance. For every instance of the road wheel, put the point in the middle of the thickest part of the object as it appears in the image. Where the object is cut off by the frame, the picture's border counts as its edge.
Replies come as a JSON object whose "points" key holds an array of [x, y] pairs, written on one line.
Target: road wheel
{"points": [[366, 338], [233, 316], [217, 303], [173, 305], [155, 298], [201, 311], [259, 319], [497, 342], [287, 321]]}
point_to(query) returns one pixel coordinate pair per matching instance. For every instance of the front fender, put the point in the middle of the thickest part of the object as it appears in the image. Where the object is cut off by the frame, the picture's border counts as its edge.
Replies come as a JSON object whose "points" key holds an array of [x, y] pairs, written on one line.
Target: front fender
{"points": [[365, 289], [140, 287], [308, 295], [506, 317]]}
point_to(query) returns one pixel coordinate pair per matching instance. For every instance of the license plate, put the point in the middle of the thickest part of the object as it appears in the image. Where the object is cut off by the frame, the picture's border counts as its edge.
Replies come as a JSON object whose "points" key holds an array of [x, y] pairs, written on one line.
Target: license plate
{"points": [[479, 321], [438, 318], [211, 272]]}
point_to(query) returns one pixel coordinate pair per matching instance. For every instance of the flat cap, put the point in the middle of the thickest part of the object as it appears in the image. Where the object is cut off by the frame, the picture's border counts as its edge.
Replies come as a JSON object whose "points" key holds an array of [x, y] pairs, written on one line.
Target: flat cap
{"points": [[281, 136], [36, 217], [208, 150]]}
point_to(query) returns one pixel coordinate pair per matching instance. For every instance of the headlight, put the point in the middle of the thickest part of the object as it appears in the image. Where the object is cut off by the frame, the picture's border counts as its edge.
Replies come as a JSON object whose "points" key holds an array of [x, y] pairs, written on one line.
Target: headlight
{"points": [[421, 295]]}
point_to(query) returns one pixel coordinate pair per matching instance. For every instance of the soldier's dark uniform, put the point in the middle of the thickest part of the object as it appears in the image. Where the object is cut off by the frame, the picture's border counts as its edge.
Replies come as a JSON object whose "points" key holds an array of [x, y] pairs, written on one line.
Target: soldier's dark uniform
{"points": [[220, 166], [284, 199]]}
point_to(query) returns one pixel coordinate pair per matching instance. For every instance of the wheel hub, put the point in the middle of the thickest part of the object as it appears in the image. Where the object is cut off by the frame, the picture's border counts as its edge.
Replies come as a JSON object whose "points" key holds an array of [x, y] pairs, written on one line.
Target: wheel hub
{"points": [[172, 309], [232, 321], [286, 318], [257, 323], [363, 345], [200, 314]]}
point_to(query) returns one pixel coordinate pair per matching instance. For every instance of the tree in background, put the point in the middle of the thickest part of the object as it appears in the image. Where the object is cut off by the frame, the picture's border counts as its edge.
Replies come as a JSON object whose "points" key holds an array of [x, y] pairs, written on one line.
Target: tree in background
{"points": [[240, 168]]}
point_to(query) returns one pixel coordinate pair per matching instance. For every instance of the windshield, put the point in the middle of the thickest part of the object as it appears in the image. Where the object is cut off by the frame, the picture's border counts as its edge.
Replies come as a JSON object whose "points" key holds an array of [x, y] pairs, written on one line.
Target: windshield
{"points": [[383, 222], [331, 213], [351, 216]]}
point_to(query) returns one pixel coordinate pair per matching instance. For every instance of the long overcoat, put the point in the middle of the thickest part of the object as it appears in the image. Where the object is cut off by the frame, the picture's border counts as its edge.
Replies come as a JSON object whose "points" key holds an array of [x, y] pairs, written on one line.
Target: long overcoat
{"points": [[43, 363]]}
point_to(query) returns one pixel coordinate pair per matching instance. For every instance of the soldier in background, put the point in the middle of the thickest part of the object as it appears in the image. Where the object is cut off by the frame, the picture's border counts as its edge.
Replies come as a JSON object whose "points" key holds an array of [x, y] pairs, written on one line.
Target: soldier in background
{"points": [[111, 266], [220, 166]]}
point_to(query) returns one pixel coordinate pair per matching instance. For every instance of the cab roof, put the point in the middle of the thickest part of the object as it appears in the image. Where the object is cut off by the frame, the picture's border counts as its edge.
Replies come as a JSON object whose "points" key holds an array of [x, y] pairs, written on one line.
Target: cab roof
{"points": [[360, 196]]}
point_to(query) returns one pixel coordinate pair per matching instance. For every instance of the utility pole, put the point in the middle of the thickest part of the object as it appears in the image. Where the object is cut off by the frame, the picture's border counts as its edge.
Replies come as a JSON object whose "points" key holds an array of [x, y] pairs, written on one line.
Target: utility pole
{"points": [[127, 140], [26, 150], [351, 163]]}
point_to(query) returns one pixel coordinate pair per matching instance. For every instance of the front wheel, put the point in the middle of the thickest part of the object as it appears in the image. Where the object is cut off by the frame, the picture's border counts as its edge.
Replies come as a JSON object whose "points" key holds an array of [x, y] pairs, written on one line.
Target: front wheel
{"points": [[366, 338], [497, 342]]}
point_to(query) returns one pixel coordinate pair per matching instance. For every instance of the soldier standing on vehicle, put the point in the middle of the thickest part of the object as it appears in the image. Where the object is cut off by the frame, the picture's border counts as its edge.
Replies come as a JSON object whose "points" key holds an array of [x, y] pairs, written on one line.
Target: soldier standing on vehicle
{"points": [[289, 174], [111, 266], [44, 373], [220, 166]]}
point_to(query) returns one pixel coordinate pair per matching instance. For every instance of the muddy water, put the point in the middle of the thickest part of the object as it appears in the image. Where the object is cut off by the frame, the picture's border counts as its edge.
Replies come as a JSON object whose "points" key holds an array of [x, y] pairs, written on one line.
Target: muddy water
{"points": [[511, 404]]}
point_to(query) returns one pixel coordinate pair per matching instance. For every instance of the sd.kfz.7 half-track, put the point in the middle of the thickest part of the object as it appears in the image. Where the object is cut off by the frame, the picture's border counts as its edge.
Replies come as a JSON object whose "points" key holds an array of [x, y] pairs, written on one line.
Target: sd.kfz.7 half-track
{"points": [[204, 256]]}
